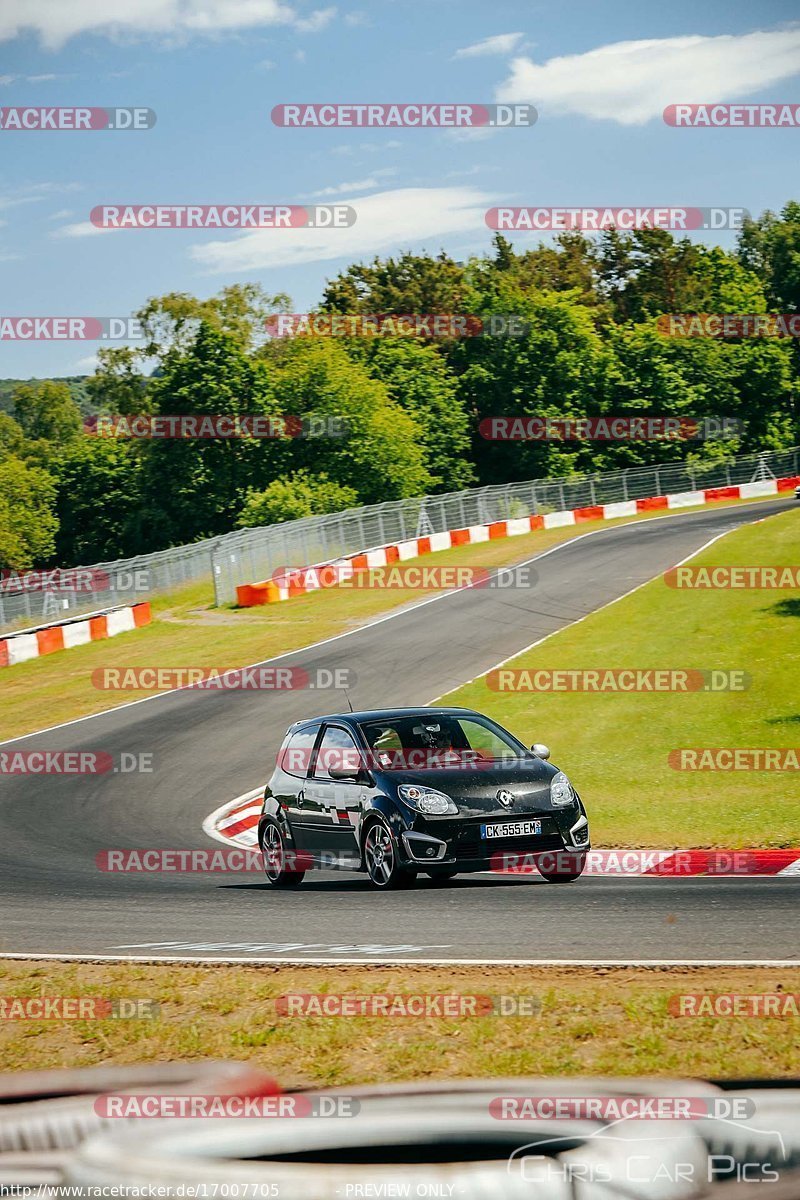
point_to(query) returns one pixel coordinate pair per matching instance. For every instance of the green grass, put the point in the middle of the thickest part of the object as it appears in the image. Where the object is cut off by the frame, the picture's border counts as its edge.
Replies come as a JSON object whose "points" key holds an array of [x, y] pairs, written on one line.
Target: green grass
{"points": [[615, 746], [591, 1022]]}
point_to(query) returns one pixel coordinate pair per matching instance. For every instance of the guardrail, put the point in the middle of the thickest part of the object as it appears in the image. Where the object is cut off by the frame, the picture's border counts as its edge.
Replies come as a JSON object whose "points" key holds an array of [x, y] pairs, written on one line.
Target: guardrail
{"points": [[249, 554]]}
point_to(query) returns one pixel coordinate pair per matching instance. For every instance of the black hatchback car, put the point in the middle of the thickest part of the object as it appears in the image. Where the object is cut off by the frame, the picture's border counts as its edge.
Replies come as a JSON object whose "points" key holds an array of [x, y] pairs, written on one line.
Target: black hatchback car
{"points": [[397, 792]]}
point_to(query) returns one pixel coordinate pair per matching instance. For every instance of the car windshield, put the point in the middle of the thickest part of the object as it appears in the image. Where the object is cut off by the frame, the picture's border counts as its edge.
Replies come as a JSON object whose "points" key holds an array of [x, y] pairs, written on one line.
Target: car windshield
{"points": [[421, 740]]}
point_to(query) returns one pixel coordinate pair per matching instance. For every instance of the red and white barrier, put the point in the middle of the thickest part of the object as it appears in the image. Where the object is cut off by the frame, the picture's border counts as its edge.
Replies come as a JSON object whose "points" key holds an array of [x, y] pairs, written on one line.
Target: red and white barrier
{"points": [[20, 647], [302, 580]]}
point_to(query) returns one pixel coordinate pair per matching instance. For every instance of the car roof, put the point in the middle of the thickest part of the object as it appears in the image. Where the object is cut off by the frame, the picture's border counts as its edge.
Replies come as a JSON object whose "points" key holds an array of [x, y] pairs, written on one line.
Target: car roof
{"points": [[384, 714]]}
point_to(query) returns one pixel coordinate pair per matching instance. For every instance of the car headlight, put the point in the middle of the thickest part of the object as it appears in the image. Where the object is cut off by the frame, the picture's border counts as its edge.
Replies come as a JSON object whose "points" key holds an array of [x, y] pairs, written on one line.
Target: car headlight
{"points": [[426, 800], [561, 793]]}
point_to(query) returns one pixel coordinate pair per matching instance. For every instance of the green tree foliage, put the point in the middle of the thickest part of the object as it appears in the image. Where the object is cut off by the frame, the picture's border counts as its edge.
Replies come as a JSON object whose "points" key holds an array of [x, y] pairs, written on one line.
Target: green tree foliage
{"points": [[28, 523], [387, 418], [381, 453], [100, 502], [47, 411], [195, 487], [770, 247], [299, 495]]}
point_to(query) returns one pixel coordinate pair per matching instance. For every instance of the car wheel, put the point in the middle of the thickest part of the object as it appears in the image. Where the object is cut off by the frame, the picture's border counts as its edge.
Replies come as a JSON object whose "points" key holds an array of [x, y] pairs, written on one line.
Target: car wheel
{"points": [[441, 877], [380, 859], [273, 848], [576, 861]]}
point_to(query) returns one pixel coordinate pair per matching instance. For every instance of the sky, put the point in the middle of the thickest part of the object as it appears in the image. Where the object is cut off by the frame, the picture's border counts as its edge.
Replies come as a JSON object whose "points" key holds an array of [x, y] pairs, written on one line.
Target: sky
{"points": [[599, 74]]}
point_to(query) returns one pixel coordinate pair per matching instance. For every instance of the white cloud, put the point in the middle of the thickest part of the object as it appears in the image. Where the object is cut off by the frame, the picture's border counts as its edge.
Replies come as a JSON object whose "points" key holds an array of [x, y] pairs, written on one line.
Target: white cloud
{"points": [[81, 229], [357, 20], [87, 365], [633, 82], [357, 185], [61, 215], [56, 21], [316, 21], [501, 43], [388, 219], [34, 192], [266, 64]]}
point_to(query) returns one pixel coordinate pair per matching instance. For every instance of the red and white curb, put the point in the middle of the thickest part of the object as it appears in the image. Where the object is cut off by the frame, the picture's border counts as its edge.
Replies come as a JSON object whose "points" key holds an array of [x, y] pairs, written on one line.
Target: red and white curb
{"points": [[300, 581], [236, 824], [63, 635]]}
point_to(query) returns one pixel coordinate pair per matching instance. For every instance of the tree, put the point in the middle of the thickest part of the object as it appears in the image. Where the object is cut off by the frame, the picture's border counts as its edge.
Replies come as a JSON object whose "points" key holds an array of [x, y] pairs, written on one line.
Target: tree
{"points": [[417, 379], [299, 495], [380, 453], [770, 247], [100, 502], [195, 487], [28, 523], [12, 439], [412, 283], [46, 410]]}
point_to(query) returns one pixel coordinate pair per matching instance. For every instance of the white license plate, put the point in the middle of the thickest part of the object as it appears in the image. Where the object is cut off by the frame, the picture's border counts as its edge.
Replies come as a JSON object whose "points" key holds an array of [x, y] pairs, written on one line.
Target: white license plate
{"points": [[511, 829]]}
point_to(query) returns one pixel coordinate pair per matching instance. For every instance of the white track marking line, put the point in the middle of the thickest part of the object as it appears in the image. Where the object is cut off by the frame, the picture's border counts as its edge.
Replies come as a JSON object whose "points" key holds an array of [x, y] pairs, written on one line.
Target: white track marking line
{"points": [[771, 963], [579, 620], [402, 611]]}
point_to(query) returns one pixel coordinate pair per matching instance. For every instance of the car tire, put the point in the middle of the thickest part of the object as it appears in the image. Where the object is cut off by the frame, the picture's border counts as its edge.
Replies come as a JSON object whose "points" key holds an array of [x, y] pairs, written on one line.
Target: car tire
{"points": [[441, 877], [381, 860], [273, 849], [565, 876]]}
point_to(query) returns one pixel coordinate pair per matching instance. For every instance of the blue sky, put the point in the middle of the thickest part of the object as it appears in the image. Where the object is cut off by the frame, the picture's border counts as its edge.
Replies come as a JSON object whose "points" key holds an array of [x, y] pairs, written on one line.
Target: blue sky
{"points": [[600, 75]]}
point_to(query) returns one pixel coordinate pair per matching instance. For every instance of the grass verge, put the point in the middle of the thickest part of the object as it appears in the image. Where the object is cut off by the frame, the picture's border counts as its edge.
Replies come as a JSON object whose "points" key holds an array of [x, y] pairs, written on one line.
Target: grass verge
{"points": [[188, 631], [616, 745], [592, 1022]]}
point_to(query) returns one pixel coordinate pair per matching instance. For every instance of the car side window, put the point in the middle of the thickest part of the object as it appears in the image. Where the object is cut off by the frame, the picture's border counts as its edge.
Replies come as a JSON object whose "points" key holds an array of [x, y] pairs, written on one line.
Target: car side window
{"points": [[296, 754], [337, 749]]}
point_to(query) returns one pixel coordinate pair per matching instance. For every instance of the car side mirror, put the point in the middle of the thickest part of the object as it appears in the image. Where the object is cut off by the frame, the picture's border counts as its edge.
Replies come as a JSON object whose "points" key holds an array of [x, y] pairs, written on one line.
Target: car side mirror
{"points": [[540, 750], [352, 773]]}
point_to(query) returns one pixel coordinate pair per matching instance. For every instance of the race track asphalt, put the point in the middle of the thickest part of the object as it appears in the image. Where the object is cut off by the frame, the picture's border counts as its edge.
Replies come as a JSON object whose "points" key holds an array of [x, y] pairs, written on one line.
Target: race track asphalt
{"points": [[209, 747]]}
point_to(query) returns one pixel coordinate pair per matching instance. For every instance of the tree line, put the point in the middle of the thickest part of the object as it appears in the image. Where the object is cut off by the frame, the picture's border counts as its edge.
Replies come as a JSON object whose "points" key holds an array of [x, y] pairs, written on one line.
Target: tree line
{"points": [[411, 406]]}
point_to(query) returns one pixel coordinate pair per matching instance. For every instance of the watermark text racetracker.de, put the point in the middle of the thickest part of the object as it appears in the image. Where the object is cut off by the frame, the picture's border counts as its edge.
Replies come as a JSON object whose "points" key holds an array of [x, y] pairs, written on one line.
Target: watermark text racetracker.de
{"points": [[729, 325], [223, 216], [733, 577], [38, 120], [759, 1005], [774, 115], [216, 426], [75, 762], [617, 679], [187, 1106], [608, 429], [70, 329], [735, 758], [449, 1005], [75, 580], [422, 577], [596, 219], [76, 1008], [409, 115], [214, 679], [371, 325]]}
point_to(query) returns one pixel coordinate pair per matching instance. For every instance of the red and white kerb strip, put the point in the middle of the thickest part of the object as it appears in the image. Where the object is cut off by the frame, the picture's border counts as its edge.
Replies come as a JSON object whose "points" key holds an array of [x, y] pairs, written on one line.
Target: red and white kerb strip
{"points": [[19, 647], [301, 581], [236, 824]]}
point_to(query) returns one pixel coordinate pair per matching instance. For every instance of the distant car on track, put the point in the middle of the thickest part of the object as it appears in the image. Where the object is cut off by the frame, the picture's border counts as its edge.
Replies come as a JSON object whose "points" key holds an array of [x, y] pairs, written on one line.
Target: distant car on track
{"points": [[397, 792], [797, 492]]}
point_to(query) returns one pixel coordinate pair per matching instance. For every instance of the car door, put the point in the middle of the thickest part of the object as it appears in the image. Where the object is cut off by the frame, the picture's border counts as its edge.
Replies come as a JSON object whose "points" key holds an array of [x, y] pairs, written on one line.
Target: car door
{"points": [[291, 778], [332, 807]]}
